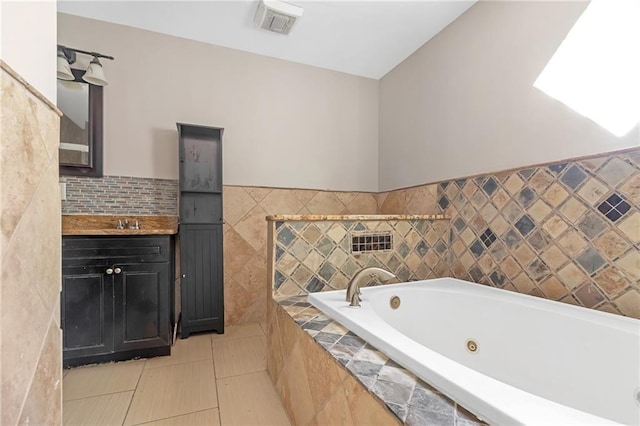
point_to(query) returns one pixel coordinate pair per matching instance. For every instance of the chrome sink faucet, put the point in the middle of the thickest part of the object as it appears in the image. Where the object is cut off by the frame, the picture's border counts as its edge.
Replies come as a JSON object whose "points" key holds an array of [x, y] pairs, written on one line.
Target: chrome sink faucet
{"points": [[372, 275]]}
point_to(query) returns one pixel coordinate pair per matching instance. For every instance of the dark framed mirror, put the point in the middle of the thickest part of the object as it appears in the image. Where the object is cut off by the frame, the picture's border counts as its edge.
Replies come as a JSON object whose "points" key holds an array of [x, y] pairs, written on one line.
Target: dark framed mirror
{"points": [[80, 127]]}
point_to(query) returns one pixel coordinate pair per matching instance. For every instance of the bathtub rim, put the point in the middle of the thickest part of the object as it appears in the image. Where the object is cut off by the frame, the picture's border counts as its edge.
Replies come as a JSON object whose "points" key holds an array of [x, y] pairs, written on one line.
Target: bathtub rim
{"points": [[481, 394]]}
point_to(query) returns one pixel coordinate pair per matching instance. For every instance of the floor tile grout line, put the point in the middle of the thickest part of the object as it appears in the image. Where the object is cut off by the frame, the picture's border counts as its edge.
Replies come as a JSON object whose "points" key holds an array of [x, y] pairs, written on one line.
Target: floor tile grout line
{"points": [[241, 374], [178, 415], [97, 396], [177, 363], [134, 392], [215, 383]]}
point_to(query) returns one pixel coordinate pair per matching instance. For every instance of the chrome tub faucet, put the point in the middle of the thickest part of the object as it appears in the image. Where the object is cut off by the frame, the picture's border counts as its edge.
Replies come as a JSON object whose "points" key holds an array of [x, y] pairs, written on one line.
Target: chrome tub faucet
{"points": [[372, 275]]}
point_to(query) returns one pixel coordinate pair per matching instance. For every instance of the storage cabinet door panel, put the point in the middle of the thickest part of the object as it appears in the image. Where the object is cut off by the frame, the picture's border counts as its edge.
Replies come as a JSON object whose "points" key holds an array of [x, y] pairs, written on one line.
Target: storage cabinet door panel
{"points": [[201, 268], [87, 312], [142, 306]]}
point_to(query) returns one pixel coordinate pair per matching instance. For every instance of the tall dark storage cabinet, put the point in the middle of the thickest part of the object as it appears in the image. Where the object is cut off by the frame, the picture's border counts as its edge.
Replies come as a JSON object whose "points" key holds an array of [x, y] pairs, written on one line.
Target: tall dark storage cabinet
{"points": [[200, 232]]}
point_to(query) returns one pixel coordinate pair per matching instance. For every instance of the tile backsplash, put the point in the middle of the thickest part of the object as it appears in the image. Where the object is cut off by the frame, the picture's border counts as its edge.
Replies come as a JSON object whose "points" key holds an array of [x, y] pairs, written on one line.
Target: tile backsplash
{"points": [[120, 195], [315, 256], [567, 231]]}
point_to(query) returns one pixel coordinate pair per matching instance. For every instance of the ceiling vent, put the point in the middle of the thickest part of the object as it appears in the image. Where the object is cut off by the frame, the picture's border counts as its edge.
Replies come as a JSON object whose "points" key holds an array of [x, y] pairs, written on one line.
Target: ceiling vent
{"points": [[276, 16]]}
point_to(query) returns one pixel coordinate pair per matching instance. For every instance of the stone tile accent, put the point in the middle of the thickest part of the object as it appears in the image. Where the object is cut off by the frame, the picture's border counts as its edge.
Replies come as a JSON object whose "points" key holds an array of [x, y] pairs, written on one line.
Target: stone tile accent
{"points": [[568, 228], [331, 376], [315, 256], [30, 245]]}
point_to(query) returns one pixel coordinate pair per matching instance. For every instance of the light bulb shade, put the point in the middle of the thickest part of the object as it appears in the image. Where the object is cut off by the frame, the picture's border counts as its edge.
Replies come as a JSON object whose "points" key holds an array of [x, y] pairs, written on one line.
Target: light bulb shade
{"points": [[64, 70], [95, 74]]}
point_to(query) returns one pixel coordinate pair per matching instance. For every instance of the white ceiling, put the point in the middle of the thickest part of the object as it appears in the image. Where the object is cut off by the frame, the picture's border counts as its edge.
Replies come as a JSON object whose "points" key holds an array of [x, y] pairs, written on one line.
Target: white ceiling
{"points": [[365, 38]]}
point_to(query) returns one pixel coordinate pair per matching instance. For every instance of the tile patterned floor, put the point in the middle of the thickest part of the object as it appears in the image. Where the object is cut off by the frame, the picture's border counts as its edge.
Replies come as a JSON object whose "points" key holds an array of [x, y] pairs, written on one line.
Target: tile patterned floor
{"points": [[209, 379]]}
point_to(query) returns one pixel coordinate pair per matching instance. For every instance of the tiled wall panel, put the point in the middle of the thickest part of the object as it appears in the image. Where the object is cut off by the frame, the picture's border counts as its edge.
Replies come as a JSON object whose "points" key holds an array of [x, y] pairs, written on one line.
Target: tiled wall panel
{"points": [[315, 256], [120, 195], [567, 231], [31, 355]]}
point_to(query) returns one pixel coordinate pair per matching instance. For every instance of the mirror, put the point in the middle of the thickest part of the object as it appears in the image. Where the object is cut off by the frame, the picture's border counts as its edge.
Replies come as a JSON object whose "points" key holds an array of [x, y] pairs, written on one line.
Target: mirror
{"points": [[80, 127]]}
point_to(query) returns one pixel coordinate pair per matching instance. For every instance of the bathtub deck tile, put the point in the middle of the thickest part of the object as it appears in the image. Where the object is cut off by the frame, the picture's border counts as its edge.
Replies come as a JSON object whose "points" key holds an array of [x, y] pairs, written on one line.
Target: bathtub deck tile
{"points": [[323, 336], [342, 351], [369, 354], [392, 392], [412, 401], [364, 368], [397, 375], [354, 341], [400, 410]]}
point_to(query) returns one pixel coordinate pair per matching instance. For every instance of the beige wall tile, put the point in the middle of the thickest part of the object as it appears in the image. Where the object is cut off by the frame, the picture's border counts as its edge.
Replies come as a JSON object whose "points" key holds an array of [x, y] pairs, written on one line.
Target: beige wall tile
{"points": [[30, 279], [253, 227], [611, 244], [611, 281], [83, 382], [281, 201], [629, 303], [324, 373], [630, 265], [553, 288], [336, 411], [295, 390], [100, 410], [250, 399], [23, 152], [173, 390], [44, 400], [365, 408], [239, 356], [325, 203], [631, 226], [237, 203]]}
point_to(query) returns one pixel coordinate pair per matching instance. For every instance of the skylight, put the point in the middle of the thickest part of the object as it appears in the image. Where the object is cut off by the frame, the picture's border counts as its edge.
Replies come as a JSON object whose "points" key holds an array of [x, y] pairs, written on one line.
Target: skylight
{"points": [[596, 69]]}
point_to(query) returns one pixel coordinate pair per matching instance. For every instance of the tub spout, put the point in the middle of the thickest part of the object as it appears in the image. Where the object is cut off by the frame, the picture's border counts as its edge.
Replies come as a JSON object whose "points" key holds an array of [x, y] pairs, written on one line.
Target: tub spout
{"points": [[366, 277]]}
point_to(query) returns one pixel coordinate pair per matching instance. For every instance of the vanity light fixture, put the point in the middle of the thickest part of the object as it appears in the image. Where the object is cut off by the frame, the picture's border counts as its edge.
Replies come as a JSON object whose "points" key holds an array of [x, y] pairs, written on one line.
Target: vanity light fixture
{"points": [[95, 72]]}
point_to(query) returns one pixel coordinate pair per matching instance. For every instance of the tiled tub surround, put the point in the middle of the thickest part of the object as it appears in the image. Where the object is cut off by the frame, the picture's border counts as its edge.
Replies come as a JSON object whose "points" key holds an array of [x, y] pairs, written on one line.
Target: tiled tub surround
{"points": [[326, 375], [31, 355], [317, 255], [567, 231]]}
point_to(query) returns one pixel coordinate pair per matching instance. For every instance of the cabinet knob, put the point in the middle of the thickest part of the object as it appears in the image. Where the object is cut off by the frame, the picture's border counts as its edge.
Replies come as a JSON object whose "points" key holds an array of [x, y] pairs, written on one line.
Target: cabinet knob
{"points": [[117, 270], [109, 271]]}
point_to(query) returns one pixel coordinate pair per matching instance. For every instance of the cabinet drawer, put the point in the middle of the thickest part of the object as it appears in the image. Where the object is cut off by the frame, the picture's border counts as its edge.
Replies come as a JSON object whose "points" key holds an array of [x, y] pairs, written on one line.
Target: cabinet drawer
{"points": [[103, 251]]}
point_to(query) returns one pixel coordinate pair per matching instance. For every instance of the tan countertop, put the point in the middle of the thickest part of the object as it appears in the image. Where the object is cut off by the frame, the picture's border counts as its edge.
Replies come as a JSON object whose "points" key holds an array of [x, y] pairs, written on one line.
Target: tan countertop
{"points": [[83, 224], [355, 217]]}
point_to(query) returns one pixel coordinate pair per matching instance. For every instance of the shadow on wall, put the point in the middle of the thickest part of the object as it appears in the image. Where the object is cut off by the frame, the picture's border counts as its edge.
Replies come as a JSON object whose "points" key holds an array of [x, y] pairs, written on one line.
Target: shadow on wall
{"points": [[165, 141]]}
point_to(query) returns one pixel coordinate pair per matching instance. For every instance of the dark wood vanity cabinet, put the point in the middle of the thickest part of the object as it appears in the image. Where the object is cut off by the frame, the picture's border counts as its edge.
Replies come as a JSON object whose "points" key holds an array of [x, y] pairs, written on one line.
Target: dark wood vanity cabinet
{"points": [[116, 297]]}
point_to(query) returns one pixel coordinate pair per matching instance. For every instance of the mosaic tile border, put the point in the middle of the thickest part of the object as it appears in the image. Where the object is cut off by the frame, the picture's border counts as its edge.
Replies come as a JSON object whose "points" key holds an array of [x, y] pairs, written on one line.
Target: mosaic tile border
{"points": [[413, 401], [120, 195]]}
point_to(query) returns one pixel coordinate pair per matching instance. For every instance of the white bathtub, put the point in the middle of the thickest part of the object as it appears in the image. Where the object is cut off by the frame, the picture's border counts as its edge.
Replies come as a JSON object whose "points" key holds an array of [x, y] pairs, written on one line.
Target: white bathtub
{"points": [[537, 362]]}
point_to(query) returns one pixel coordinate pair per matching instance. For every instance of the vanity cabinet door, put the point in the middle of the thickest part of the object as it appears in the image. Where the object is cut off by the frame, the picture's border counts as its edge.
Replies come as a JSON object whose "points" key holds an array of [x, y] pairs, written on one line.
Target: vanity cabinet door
{"points": [[142, 306], [86, 309]]}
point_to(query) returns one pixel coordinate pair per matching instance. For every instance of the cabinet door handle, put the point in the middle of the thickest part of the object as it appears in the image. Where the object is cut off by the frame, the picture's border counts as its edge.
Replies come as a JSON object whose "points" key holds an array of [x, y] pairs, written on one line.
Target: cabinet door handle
{"points": [[117, 270], [109, 271]]}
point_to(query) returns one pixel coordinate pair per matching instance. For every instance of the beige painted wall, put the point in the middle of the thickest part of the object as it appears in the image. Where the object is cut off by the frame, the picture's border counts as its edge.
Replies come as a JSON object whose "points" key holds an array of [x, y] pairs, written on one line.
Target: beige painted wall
{"points": [[464, 103], [28, 42], [286, 124]]}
